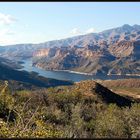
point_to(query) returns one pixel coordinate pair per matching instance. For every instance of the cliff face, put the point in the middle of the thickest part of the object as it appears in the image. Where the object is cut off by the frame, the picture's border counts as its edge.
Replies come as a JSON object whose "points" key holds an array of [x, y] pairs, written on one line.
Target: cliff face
{"points": [[122, 49], [114, 51]]}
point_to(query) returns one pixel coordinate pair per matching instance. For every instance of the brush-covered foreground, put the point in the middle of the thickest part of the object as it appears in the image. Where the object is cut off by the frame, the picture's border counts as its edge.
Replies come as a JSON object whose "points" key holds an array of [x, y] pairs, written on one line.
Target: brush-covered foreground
{"points": [[76, 111]]}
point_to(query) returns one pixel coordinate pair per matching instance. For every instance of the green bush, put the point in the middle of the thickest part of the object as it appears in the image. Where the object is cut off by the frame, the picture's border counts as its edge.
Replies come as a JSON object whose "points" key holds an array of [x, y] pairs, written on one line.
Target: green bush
{"points": [[109, 124], [131, 118], [65, 112]]}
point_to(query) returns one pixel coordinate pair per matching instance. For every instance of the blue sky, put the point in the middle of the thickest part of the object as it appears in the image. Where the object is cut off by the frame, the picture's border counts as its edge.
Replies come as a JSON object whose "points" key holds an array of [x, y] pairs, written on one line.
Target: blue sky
{"points": [[35, 22]]}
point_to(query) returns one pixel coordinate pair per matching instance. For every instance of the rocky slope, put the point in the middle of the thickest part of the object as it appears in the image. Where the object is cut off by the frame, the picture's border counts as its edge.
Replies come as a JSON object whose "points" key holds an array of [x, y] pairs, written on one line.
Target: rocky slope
{"points": [[114, 51], [90, 87]]}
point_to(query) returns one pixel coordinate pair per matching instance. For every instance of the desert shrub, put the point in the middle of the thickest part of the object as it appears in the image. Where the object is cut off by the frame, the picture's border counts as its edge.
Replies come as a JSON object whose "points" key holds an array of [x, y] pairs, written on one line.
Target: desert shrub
{"points": [[90, 126], [65, 112], [22, 96], [64, 100], [4, 132], [76, 127], [7, 103], [109, 124], [53, 114], [131, 118], [43, 130], [88, 112]]}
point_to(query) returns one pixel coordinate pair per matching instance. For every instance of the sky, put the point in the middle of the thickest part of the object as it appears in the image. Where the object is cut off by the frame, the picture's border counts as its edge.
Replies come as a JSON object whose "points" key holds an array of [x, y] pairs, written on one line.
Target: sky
{"points": [[36, 22]]}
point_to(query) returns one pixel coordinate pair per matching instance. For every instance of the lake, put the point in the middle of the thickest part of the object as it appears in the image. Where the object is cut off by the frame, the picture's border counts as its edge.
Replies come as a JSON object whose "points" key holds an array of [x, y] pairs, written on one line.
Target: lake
{"points": [[64, 75]]}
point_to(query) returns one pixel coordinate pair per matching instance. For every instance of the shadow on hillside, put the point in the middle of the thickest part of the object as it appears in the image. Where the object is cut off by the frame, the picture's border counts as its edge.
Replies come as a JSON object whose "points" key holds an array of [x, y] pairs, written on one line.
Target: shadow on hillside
{"points": [[111, 97]]}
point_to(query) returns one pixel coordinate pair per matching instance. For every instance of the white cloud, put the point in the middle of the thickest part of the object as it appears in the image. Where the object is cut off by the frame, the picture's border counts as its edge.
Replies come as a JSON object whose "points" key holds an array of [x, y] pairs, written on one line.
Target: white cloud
{"points": [[6, 19], [90, 30], [6, 36], [75, 31], [5, 32]]}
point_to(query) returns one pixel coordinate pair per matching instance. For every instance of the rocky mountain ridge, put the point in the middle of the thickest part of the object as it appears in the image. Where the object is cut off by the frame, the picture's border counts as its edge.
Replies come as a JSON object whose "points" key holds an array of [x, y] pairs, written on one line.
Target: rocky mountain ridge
{"points": [[113, 51]]}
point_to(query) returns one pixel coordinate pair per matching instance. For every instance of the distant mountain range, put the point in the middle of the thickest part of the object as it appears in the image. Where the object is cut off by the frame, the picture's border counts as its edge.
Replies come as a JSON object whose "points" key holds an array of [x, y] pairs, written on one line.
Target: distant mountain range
{"points": [[113, 51]]}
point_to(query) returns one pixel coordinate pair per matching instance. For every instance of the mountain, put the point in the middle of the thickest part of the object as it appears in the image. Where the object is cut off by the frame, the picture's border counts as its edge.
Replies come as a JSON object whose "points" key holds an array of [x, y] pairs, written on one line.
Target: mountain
{"points": [[113, 51]]}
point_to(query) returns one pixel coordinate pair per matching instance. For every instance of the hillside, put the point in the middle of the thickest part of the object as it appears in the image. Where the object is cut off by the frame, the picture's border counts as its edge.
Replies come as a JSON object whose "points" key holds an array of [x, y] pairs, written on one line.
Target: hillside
{"points": [[83, 110], [8, 72], [125, 87], [114, 51]]}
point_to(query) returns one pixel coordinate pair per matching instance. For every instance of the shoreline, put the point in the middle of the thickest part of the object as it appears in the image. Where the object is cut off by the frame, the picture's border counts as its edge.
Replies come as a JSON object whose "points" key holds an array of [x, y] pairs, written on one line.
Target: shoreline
{"points": [[70, 71], [89, 74], [124, 74]]}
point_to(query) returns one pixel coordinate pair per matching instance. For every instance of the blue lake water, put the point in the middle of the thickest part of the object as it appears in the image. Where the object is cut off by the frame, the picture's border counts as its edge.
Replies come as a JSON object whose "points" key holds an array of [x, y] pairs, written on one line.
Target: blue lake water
{"points": [[63, 75]]}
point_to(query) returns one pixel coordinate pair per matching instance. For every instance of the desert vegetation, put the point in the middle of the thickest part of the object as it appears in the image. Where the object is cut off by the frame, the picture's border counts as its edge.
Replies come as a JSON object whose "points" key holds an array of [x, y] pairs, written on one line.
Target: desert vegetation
{"points": [[75, 111]]}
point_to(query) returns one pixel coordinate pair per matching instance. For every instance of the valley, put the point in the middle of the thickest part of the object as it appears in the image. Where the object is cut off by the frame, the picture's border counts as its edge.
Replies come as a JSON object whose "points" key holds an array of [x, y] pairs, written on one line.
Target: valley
{"points": [[114, 51], [9, 70], [112, 54], [69, 75]]}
